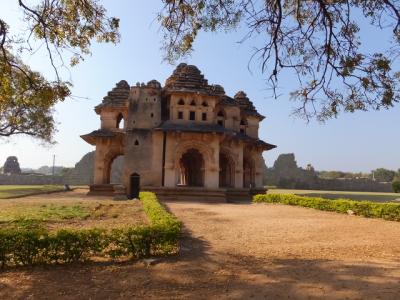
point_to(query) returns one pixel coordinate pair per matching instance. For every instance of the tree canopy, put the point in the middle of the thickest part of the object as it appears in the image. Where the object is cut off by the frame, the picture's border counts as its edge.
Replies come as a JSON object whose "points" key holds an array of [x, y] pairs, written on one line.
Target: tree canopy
{"points": [[66, 29], [317, 40], [384, 175]]}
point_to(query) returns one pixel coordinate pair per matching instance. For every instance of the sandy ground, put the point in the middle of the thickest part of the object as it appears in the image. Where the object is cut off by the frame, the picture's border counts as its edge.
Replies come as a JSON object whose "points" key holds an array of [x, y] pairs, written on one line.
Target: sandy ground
{"points": [[239, 251]]}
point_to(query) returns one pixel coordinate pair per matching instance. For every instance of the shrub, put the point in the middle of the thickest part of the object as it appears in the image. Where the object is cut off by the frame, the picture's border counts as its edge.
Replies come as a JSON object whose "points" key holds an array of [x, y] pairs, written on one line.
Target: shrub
{"points": [[28, 244], [387, 211], [396, 186]]}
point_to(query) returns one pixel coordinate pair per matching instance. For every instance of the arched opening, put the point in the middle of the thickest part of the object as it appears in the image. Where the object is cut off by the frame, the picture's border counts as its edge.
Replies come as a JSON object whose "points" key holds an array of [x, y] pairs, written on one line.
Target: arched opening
{"points": [[193, 103], [114, 170], [248, 173], [181, 102], [243, 125], [120, 121], [204, 104], [136, 143], [226, 171], [221, 118], [191, 168]]}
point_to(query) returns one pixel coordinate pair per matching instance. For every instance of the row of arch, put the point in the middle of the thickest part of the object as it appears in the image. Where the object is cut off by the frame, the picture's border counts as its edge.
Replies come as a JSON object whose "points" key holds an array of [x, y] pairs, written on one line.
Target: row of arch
{"points": [[192, 102], [192, 170]]}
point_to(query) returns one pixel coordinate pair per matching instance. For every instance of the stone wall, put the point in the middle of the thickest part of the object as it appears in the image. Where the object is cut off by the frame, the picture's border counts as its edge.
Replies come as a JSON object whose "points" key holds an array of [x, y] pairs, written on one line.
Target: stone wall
{"points": [[361, 185], [31, 179]]}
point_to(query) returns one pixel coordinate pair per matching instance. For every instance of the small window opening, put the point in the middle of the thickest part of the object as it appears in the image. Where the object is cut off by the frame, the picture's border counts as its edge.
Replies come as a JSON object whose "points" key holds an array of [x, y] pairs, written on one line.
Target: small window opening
{"points": [[204, 104], [192, 115], [193, 103], [154, 99], [180, 115], [151, 115], [204, 116], [220, 118], [136, 143], [120, 121], [181, 102], [243, 124]]}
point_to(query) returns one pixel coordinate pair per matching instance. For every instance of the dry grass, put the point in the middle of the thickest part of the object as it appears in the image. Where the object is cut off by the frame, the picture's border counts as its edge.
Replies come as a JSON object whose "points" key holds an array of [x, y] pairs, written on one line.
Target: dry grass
{"points": [[71, 210], [13, 191]]}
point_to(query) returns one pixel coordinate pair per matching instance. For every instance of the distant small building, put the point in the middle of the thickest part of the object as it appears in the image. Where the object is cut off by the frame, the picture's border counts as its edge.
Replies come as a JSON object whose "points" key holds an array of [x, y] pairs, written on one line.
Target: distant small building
{"points": [[11, 166], [185, 140]]}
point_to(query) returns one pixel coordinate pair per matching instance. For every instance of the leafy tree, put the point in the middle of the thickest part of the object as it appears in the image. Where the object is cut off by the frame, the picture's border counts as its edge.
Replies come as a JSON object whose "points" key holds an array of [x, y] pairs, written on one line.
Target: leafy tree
{"points": [[62, 26], [330, 174], [384, 175], [396, 186], [318, 40]]}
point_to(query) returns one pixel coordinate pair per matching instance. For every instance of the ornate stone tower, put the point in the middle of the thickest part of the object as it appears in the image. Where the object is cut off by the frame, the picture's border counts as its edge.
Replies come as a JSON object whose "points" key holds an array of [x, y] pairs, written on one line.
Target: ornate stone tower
{"points": [[144, 114], [186, 140]]}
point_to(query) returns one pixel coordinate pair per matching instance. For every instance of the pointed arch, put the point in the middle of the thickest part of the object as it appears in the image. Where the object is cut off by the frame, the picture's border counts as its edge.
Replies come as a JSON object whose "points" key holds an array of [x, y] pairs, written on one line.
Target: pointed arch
{"points": [[120, 121], [227, 169]]}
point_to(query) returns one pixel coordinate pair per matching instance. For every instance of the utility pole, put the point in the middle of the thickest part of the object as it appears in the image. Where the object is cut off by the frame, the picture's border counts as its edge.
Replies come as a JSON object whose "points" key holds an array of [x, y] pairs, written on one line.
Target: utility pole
{"points": [[54, 161]]}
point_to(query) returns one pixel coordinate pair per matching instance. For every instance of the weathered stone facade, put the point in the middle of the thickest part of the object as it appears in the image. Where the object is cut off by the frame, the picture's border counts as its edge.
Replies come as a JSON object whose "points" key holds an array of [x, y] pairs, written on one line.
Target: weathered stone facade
{"points": [[186, 136], [11, 166]]}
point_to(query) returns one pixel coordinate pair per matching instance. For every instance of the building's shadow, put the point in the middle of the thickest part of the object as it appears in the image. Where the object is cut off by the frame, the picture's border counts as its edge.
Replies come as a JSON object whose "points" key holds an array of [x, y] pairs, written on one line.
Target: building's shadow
{"points": [[200, 273]]}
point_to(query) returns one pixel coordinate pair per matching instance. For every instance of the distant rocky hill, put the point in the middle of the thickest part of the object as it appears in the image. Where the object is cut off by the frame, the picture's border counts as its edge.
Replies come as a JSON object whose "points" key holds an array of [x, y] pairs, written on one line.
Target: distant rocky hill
{"points": [[286, 174], [83, 172]]}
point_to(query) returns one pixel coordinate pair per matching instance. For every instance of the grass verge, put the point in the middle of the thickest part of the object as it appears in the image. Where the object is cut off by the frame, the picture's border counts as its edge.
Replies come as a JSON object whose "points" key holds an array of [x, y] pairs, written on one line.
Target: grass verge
{"points": [[33, 243], [387, 211], [351, 195], [16, 191]]}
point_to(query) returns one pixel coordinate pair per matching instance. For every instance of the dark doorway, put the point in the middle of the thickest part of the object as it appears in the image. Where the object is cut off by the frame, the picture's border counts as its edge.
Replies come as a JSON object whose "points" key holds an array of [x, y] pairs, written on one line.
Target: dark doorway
{"points": [[192, 168], [134, 186], [226, 171]]}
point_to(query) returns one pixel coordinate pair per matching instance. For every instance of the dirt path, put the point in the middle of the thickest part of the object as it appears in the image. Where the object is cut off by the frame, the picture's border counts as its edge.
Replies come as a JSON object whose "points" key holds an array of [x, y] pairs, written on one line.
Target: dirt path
{"points": [[240, 252]]}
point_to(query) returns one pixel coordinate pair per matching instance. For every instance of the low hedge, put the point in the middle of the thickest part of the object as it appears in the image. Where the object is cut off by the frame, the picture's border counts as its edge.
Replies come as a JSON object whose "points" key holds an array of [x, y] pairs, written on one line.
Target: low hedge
{"points": [[35, 244], [387, 211]]}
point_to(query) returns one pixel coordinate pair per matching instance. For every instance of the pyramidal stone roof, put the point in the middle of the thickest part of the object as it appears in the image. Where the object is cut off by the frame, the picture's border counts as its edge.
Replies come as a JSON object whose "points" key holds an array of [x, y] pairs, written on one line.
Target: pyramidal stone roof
{"points": [[120, 92], [189, 78], [116, 97], [244, 102]]}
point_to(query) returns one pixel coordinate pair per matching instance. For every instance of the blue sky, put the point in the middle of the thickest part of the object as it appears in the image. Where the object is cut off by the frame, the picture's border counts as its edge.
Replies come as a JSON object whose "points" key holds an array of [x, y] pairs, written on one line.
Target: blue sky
{"points": [[353, 142]]}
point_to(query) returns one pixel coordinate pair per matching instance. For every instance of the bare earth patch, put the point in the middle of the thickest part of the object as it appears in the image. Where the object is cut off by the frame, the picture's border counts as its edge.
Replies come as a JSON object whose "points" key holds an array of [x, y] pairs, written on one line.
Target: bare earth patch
{"points": [[239, 251]]}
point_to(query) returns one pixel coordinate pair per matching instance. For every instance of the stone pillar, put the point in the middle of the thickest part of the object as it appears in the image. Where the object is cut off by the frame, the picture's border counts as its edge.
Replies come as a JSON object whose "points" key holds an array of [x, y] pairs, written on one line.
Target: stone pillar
{"points": [[99, 165], [211, 175], [259, 163], [108, 120], [239, 167], [169, 168]]}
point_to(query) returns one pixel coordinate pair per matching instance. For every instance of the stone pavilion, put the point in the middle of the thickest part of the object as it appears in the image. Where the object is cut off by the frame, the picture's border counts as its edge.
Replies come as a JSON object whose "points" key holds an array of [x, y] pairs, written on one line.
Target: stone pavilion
{"points": [[186, 140]]}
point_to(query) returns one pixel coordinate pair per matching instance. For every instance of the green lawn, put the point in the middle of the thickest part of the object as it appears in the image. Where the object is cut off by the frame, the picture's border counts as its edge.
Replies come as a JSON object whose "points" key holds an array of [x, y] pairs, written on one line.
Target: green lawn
{"points": [[359, 196], [14, 191]]}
